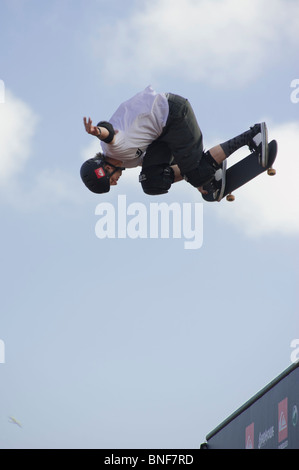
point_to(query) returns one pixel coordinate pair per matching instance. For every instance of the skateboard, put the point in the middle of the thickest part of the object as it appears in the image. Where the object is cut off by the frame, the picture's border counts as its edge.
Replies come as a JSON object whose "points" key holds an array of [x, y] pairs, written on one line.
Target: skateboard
{"points": [[241, 173]]}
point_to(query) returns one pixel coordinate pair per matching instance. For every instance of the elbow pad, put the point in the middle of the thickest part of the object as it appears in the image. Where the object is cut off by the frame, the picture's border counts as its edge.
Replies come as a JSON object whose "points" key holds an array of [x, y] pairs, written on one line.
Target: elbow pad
{"points": [[109, 128]]}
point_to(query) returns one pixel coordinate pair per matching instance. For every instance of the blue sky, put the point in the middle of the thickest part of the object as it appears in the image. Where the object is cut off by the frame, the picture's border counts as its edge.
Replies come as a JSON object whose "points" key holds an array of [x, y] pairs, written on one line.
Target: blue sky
{"points": [[140, 343]]}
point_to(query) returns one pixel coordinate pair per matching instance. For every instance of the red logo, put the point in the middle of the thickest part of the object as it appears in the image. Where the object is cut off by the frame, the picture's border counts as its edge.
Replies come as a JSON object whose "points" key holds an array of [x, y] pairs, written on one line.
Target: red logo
{"points": [[249, 437], [283, 420], [99, 172]]}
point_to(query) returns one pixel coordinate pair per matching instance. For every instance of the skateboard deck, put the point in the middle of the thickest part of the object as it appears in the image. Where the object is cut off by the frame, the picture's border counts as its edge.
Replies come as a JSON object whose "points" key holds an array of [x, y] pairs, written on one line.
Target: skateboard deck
{"points": [[244, 171]]}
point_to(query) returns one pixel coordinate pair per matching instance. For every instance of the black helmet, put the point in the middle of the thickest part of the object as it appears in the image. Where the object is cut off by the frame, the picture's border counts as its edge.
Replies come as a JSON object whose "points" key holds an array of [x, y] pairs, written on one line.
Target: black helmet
{"points": [[94, 175]]}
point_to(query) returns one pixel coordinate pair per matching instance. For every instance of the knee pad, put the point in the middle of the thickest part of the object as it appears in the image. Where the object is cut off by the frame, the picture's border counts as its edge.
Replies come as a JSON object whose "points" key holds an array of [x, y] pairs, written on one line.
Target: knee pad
{"points": [[156, 179], [203, 173], [198, 178]]}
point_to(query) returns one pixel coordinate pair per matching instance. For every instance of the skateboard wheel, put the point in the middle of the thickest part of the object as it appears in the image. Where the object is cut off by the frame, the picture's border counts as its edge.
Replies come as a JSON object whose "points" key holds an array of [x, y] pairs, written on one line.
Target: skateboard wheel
{"points": [[230, 197], [271, 172]]}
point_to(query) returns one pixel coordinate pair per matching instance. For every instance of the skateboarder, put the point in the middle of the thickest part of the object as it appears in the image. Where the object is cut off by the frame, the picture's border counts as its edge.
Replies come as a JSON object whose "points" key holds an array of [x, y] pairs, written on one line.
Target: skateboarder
{"points": [[160, 133]]}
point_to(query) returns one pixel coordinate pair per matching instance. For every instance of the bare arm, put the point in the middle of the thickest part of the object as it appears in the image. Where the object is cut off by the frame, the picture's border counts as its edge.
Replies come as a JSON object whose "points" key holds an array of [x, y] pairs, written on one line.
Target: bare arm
{"points": [[100, 132]]}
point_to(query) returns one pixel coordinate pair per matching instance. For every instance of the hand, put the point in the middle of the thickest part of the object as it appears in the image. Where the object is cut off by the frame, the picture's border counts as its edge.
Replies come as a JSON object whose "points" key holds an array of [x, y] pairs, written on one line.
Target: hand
{"points": [[90, 129]]}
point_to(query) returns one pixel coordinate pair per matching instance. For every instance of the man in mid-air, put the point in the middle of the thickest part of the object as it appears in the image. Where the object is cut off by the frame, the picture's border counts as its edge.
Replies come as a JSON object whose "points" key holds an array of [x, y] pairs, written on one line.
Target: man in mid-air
{"points": [[159, 132]]}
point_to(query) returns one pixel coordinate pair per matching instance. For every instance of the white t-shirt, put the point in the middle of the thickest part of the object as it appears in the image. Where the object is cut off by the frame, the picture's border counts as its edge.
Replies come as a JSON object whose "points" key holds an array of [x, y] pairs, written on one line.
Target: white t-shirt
{"points": [[139, 122]]}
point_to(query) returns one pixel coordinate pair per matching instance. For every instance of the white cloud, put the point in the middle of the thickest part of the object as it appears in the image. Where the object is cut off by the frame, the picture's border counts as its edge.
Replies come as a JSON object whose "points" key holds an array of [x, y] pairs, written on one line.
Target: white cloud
{"points": [[269, 204], [92, 149], [219, 41], [53, 187], [17, 126], [19, 189]]}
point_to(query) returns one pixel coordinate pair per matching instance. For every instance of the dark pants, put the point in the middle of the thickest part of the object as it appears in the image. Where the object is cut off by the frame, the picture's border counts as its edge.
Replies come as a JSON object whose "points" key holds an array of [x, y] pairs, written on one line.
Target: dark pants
{"points": [[180, 143], [181, 140]]}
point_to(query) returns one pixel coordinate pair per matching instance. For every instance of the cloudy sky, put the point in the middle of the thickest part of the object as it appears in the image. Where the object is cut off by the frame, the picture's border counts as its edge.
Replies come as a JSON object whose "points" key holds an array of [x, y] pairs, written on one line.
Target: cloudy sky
{"points": [[138, 342]]}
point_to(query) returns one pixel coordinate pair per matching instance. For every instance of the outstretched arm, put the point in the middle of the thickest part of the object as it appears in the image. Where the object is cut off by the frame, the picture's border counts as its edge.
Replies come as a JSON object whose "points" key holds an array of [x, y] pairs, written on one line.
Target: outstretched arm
{"points": [[100, 132]]}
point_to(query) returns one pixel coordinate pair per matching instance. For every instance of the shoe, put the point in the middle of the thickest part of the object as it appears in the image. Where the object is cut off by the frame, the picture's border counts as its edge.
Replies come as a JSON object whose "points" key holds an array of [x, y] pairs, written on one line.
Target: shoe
{"points": [[258, 142], [217, 185], [212, 188]]}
